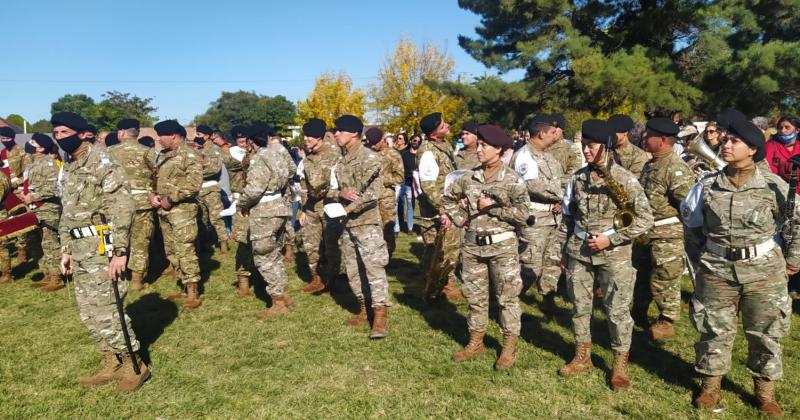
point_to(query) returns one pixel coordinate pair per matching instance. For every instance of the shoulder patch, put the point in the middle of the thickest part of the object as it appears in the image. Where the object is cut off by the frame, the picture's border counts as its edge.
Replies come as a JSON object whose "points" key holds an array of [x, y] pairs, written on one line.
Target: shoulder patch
{"points": [[191, 155], [678, 173]]}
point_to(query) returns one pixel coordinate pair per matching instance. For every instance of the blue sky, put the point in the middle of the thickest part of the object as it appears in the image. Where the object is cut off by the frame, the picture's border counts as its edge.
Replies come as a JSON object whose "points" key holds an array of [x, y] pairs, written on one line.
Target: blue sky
{"points": [[184, 53]]}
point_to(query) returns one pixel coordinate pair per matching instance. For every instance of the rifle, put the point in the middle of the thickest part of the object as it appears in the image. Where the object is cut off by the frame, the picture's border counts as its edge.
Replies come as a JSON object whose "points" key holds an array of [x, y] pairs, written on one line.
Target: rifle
{"points": [[530, 221], [436, 274]]}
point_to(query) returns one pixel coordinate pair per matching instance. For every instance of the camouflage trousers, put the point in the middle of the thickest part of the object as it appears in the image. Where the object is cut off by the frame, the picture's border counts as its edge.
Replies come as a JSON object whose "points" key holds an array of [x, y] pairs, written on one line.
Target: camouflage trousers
{"points": [[5, 255], [210, 201], [51, 244], [365, 258], [616, 279], [266, 239], [244, 252], [765, 309], [179, 230], [660, 265], [388, 210], [504, 271], [429, 229], [141, 235], [96, 302], [320, 238], [540, 257]]}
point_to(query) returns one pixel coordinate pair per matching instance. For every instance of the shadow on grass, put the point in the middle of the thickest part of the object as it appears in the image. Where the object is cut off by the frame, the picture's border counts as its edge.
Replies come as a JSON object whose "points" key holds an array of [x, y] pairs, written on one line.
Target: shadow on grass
{"points": [[150, 315], [24, 269]]}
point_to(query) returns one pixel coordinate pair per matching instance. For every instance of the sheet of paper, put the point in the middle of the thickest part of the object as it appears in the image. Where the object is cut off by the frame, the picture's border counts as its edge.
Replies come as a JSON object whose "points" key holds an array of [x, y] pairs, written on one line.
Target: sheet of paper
{"points": [[334, 210]]}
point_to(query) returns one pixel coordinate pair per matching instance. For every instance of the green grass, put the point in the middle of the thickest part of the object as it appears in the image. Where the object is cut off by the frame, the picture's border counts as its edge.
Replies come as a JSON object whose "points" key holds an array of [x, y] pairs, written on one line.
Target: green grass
{"points": [[221, 362]]}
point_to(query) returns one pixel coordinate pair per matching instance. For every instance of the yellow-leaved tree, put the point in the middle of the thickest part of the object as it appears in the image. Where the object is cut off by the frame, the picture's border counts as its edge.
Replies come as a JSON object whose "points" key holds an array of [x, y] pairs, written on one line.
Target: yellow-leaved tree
{"points": [[403, 93], [333, 95]]}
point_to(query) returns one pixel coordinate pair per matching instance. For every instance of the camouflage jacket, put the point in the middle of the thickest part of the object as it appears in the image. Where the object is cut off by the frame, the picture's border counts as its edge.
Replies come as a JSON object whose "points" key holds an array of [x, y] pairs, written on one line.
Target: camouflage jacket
{"points": [[391, 173], [42, 176], [178, 174], [317, 177], [467, 160], [361, 172], [508, 191], [278, 147], [94, 184], [434, 162], [588, 207], [631, 158], [139, 168], [237, 170], [211, 156], [267, 180], [564, 152], [542, 176], [16, 165], [666, 182]]}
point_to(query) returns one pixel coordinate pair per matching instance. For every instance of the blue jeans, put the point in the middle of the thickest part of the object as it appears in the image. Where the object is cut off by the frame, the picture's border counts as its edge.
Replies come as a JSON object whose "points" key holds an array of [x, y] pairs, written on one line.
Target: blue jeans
{"points": [[405, 202]]}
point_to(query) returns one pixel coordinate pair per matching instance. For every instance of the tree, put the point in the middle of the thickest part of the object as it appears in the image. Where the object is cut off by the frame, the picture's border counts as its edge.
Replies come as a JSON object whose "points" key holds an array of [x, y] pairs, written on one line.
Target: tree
{"points": [[41, 126], [333, 95], [490, 99], [246, 108], [106, 114], [405, 91], [80, 104]]}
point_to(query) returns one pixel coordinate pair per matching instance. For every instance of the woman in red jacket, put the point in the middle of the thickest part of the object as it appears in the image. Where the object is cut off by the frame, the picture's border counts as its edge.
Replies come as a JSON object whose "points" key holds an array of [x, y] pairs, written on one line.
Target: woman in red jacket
{"points": [[782, 146]]}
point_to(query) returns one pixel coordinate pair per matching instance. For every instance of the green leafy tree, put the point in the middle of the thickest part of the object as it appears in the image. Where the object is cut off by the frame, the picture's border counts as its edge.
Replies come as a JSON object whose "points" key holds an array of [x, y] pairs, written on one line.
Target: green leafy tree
{"points": [[106, 114], [490, 99], [41, 126], [16, 120], [245, 108]]}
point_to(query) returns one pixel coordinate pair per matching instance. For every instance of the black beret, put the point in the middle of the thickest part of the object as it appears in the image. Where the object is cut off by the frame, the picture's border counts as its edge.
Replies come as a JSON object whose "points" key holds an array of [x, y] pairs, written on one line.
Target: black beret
{"points": [[112, 139], [258, 132], [494, 135], [620, 123], [71, 120], [559, 119], [202, 128], [349, 123], [238, 131], [663, 126], [750, 134], [542, 119], [315, 127], [147, 141], [128, 123], [43, 140], [169, 127], [725, 118], [430, 122], [8, 132], [374, 135], [598, 131], [470, 126]]}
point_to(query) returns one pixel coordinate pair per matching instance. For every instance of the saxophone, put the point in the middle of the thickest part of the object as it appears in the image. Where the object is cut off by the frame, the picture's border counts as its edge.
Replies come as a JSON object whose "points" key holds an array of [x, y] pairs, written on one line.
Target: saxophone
{"points": [[625, 214]]}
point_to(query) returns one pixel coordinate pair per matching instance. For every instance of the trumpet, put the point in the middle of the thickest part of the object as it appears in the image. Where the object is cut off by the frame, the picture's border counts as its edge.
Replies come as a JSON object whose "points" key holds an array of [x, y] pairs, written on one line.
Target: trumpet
{"points": [[705, 158]]}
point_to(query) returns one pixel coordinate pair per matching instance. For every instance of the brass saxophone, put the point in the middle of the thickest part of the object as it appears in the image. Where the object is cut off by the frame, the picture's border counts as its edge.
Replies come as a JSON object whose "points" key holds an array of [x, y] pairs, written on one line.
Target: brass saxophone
{"points": [[625, 214]]}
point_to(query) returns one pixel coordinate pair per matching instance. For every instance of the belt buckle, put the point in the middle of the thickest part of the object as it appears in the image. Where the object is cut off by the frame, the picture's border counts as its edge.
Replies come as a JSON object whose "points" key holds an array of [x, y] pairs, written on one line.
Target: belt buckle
{"points": [[484, 240], [738, 254]]}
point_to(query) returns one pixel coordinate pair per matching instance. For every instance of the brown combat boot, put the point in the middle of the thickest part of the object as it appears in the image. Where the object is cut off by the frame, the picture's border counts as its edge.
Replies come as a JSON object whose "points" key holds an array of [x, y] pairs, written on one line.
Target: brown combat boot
{"points": [[620, 379], [473, 348], [709, 396], [223, 247], [361, 317], [128, 379], [379, 328], [244, 286], [22, 256], [508, 355], [137, 281], [662, 329], [280, 306], [6, 278], [57, 283], [765, 394], [288, 253], [581, 362], [192, 296], [111, 365], [451, 291], [316, 284]]}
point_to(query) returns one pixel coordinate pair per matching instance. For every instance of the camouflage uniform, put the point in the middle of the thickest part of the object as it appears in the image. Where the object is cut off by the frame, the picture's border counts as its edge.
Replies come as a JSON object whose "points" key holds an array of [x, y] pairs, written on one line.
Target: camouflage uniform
{"points": [[320, 233], [210, 199], [140, 170], [94, 184], [392, 175], [288, 231], [631, 158], [237, 175], [17, 162], [362, 240], [564, 152], [467, 160], [179, 177], [588, 207], [5, 257], [42, 176], [723, 219], [263, 197], [498, 260], [542, 176]]}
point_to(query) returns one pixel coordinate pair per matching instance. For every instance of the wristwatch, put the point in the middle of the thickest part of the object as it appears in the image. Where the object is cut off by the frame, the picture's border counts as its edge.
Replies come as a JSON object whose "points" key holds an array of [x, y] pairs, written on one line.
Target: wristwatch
{"points": [[120, 252]]}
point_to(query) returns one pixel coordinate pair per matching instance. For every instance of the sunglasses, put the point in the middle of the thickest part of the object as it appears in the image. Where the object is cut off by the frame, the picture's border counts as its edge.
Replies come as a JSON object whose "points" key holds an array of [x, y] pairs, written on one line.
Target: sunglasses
{"points": [[711, 131]]}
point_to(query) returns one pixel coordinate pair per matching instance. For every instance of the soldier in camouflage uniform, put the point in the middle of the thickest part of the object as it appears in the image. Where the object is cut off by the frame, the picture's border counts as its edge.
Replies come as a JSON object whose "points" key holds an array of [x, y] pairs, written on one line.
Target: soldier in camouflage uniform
{"points": [[140, 171], [15, 162], [356, 185], [563, 151], [435, 161], [94, 192], [392, 176], [5, 258], [320, 233], [597, 250], [626, 154], [543, 180], [263, 198], [666, 180], [467, 158], [289, 195], [490, 202], [730, 219], [178, 179], [210, 199], [41, 194]]}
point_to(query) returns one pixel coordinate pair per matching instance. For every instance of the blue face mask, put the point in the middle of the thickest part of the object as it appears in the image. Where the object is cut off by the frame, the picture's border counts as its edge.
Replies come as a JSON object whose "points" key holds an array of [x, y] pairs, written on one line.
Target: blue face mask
{"points": [[787, 139]]}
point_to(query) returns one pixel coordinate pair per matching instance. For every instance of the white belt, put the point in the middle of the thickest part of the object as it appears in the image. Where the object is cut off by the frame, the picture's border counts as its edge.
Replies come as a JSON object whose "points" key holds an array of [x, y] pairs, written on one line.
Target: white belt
{"points": [[271, 197], [207, 184], [583, 235], [668, 221], [236, 196], [135, 191], [471, 236], [541, 207], [740, 253]]}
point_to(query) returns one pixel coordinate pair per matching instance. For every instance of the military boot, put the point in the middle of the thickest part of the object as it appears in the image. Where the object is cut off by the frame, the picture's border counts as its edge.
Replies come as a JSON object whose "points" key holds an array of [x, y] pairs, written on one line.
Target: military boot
{"points": [[244, 286], [192, 296], [111, 365], [508, 355], [379, 321], [451, 291], [316, 284], [581, 362], [279, 307], [6, 278], [170, 271], [223, 247], [709, 395], [128, 379], [765, 394], [57, 283], [662, 329], [473, 348], [22, 256], [620, 379], [137, 281], [361, 317]]}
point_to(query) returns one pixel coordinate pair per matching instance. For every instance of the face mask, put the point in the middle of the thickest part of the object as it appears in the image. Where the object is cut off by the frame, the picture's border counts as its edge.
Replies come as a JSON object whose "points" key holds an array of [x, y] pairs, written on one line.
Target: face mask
{"points": [[787, 139], [9, 144], [30, 149], [70, 144], [199, 140]]}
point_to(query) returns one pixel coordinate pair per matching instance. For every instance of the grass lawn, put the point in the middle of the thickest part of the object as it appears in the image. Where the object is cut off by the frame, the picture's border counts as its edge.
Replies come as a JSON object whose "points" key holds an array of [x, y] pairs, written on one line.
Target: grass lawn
{"points": [[220, 361]]}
